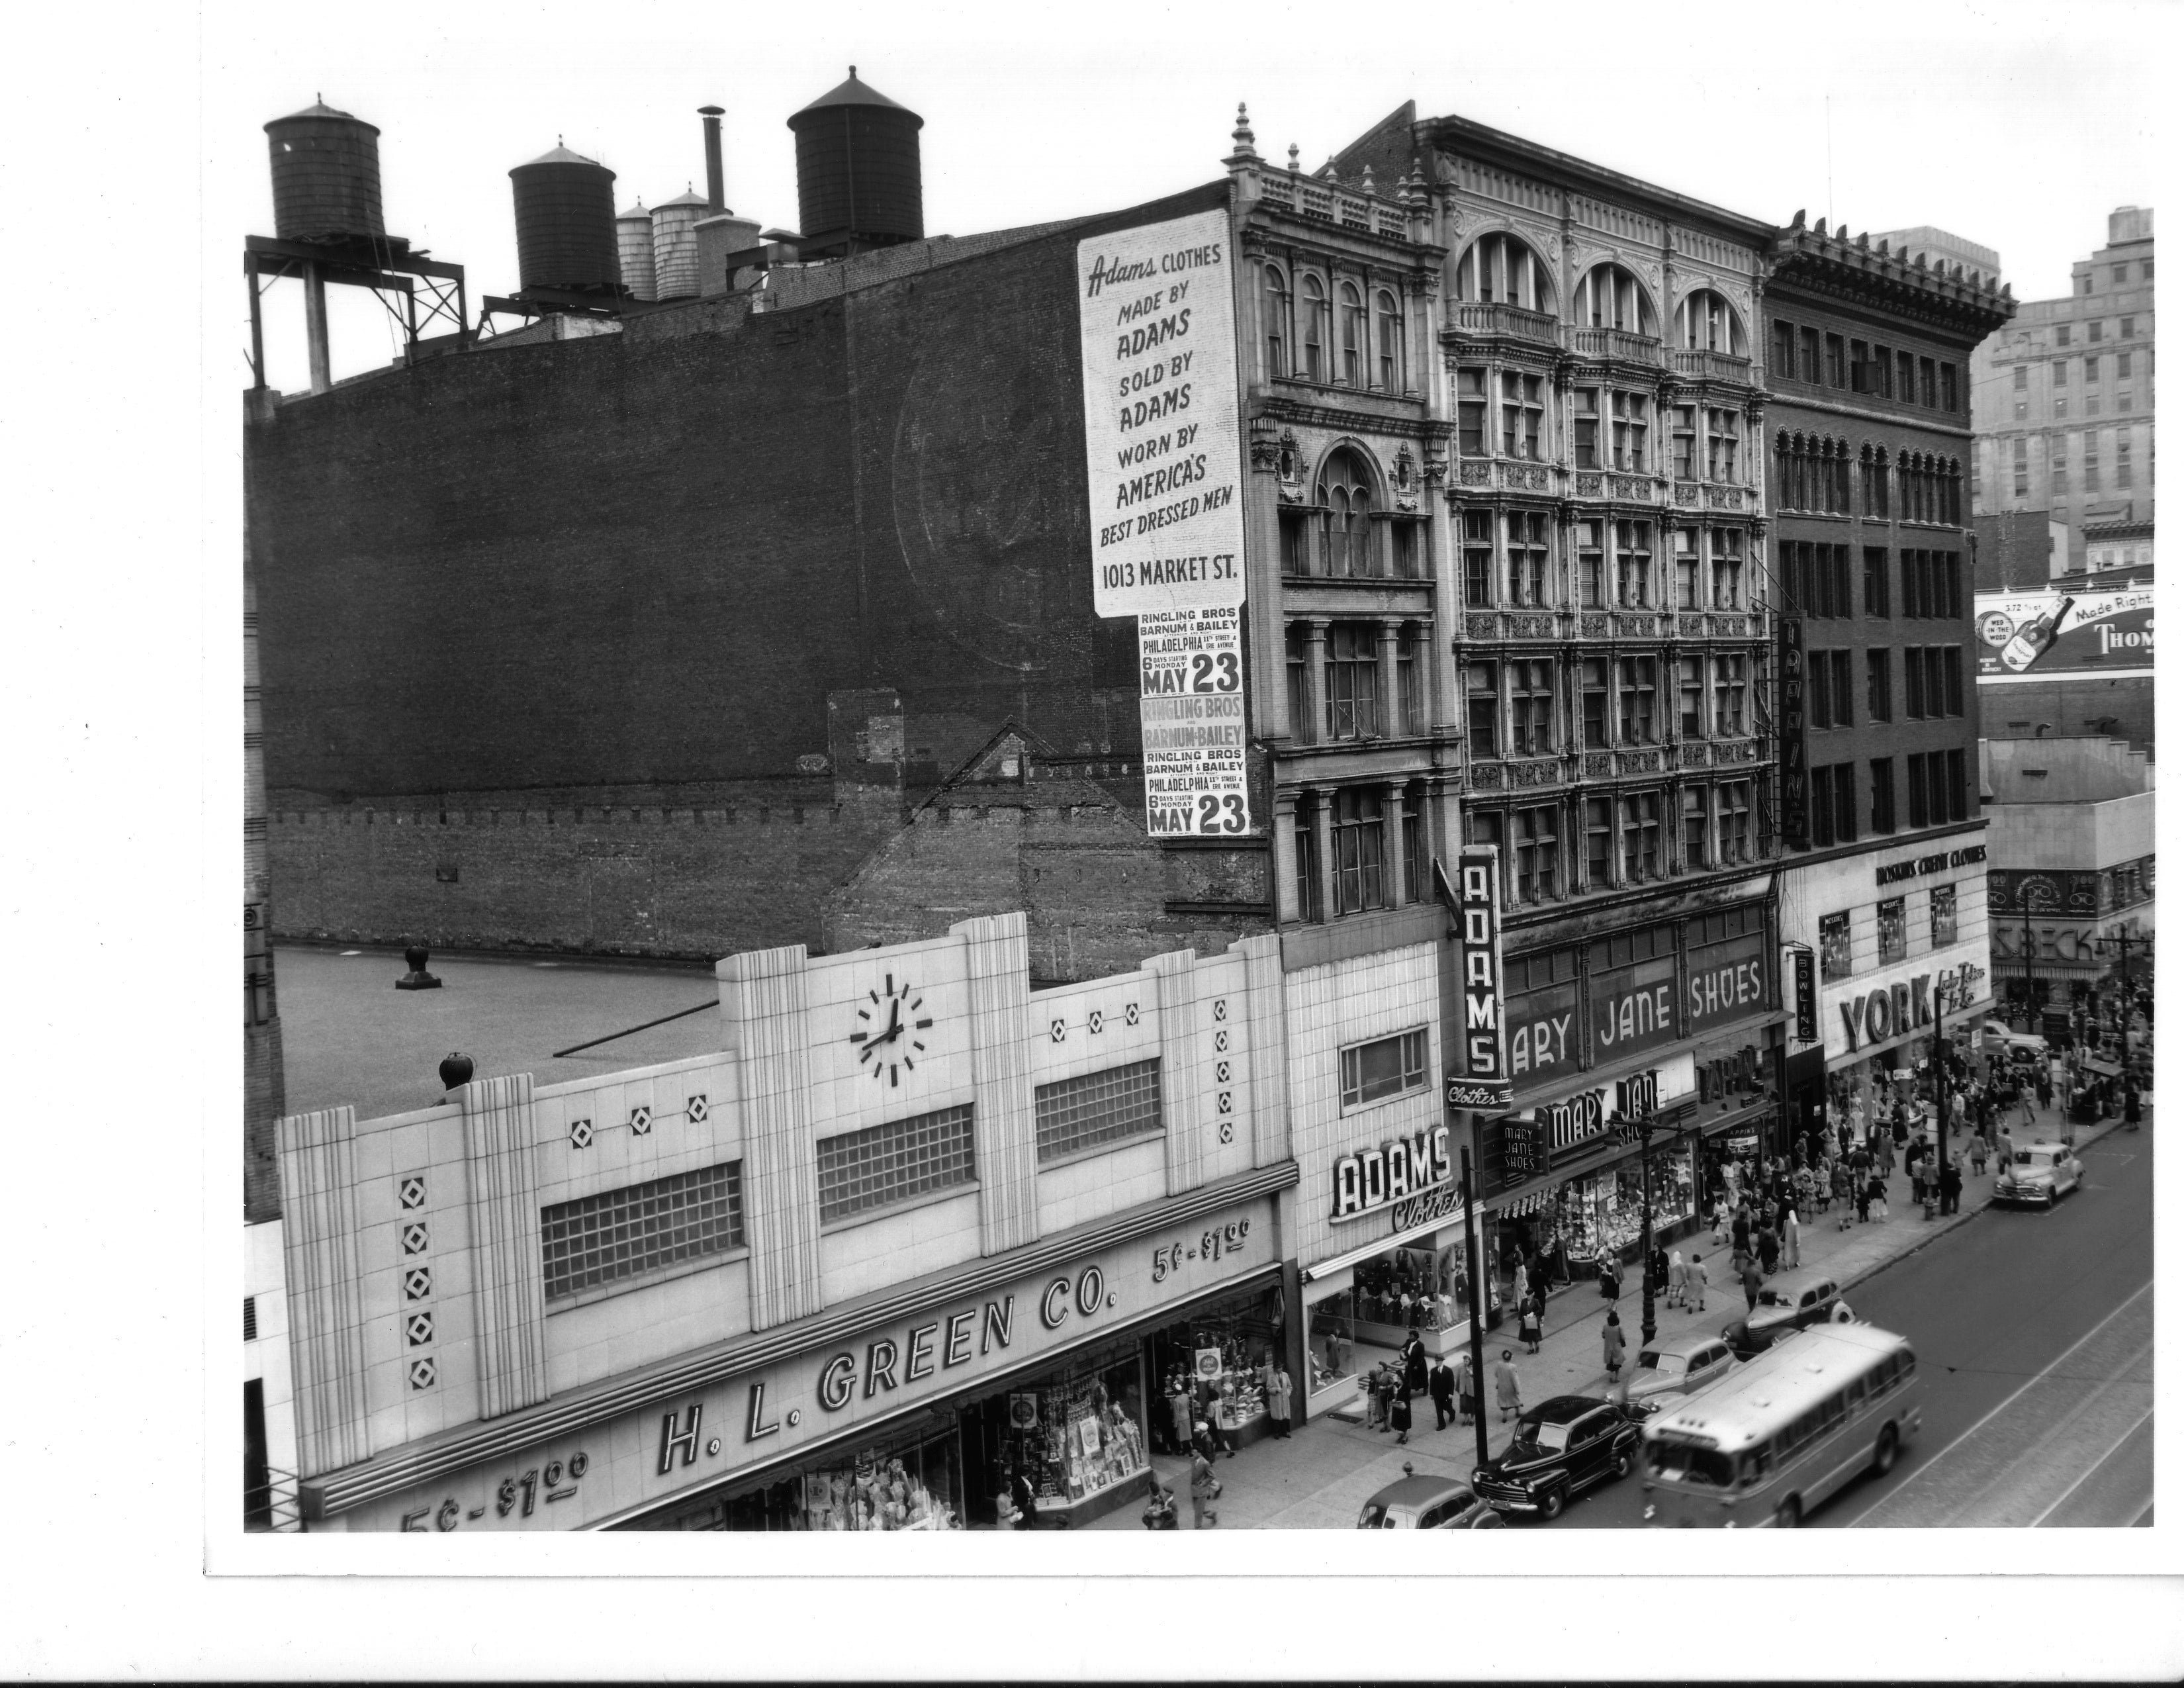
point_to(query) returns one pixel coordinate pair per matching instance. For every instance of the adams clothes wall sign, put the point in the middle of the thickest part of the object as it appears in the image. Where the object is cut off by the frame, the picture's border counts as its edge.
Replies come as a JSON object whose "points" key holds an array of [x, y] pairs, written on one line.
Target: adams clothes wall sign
{"points": [[1367, 1180], [1879, 1010], [1480, 1078], [2050, 635], [844, 1383], [1163, 455]]}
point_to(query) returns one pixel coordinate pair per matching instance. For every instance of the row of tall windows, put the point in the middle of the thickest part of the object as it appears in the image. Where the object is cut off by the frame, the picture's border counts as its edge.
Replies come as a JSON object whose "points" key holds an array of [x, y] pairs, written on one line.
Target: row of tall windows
{"points": [[1610, 427], [1612, 564], [1331, 338], [1500, 268], [1933, 686], [1517, 707], [1817, 579], [1354, 702], [1360, 873], [1821, 359], [1619, 840], [1935, 793]]}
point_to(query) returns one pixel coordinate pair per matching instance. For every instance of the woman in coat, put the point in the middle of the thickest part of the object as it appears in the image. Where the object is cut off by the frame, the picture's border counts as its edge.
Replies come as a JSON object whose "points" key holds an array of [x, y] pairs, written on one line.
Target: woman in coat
{"points": [[1528, 1321], [1467, 1390], [1398, 1414], [1278, 1400], [1414, 1365], [1612, 1345], [1507, 1395]]}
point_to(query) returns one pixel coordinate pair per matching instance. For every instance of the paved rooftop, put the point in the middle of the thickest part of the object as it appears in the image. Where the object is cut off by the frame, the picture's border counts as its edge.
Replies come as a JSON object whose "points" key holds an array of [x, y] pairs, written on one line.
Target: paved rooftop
{"points": [[350, 1037]]}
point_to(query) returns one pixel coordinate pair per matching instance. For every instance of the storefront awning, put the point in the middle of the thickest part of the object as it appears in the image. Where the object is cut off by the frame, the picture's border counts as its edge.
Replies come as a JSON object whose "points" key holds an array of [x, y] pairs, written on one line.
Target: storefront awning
{"points": [[1380, 1245]]}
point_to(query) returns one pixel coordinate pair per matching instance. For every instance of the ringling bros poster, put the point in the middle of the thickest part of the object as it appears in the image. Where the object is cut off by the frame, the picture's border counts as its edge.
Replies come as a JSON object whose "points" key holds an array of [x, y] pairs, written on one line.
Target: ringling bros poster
{"points": [[1164, 473], [2053, 635]]}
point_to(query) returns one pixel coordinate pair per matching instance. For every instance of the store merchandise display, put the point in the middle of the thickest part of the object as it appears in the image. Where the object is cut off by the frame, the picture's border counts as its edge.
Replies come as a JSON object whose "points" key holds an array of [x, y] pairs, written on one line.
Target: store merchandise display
{"points": [[1076, 1441], [879, 1496]]}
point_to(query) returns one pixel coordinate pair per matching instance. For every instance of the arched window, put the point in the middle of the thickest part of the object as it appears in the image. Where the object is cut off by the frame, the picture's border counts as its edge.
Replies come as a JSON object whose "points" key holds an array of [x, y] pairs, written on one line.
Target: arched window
{"points": [[1354, 349], [1390, 344], [1315, 330], [1501, 270], [1707, 322], [1345, 494], [1274, 304], [1611, 297], [1783, 491]]}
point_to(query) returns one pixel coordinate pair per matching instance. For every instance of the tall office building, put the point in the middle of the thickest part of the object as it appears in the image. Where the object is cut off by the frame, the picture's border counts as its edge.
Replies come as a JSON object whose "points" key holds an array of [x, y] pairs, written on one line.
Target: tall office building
{"points": [[2062, 397]]}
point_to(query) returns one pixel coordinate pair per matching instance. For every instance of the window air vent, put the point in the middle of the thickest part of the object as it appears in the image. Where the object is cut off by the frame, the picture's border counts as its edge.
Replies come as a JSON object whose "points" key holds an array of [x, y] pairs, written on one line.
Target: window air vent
{"points": [[250, 1319]]}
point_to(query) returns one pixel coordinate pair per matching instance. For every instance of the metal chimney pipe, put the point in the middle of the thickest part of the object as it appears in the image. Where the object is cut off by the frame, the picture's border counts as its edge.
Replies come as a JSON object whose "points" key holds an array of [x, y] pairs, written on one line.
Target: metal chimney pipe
{"points": [[716, 197]]}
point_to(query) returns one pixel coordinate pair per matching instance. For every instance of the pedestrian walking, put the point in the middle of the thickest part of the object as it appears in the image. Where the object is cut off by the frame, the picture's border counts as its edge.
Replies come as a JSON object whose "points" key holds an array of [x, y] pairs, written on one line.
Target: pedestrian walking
{"points": [[1467, 1388], [1789, 1251], [1520, 1283], [1023, 1498], [1398, 1414], [1528, 1321], [1612, 1345], [1770, 1250], [1656, 1271], [1279, 1391], [1979, 1154], [1695, 1278], [1441, 1385], [1952, 1184], [1675, 1278], [1389, 1383], [1160, 1507], [1507, 1396], [1915, 1162], [1224, 1422], [1716, 1214], [2131, 1107], [1876, 1196], [1752, 1283], [1611, 1277], [1841, 1185], [1180, 1418], [1414, 1365], [1204, 1492]]}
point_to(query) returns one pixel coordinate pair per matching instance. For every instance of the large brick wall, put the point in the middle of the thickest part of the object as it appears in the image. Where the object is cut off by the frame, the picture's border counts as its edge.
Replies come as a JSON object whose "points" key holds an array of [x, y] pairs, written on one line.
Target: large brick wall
{"points": [[643, 557], [641, 880], [2069, 709]]}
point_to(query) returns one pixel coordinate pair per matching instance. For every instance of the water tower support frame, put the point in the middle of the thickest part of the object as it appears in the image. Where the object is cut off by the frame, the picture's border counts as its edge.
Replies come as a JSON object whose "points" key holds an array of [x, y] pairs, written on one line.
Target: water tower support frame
{"points": [[389, 273]]}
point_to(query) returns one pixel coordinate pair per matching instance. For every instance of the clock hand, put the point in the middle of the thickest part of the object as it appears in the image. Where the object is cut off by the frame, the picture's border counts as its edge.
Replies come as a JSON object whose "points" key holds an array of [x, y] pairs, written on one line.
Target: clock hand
{"points": [[895, 1024]]}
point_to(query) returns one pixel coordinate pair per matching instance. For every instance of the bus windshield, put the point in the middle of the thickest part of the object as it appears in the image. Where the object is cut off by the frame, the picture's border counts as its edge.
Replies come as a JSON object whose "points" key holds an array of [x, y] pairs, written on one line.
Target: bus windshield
{"points": [[1693, 1460]]}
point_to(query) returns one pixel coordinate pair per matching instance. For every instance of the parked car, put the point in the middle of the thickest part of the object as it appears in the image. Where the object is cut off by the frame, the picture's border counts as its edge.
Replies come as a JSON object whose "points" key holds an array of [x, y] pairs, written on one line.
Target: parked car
{"points": [[1414, 1502], [1562, 1447], [1678, 1365], [1791, 1302], [2038, 1173]]}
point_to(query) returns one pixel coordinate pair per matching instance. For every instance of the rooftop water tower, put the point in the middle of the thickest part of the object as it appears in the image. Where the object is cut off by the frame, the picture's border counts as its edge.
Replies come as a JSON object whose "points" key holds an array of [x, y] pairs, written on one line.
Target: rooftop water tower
{"points": [[859, 181], [564, 226]]}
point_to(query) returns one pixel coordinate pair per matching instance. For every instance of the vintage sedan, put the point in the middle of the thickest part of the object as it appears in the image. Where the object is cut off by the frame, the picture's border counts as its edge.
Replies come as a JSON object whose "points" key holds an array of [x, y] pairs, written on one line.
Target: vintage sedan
{"points": [[2037, 1173], [1562, 1447], [2026, 1047], [1678, 1365], [1414, 1502], [1792, 1302]]}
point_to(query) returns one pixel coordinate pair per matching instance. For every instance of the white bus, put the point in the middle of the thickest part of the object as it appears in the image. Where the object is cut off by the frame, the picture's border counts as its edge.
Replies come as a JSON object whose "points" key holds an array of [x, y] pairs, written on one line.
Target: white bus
{"points": [[1776, 1437]]}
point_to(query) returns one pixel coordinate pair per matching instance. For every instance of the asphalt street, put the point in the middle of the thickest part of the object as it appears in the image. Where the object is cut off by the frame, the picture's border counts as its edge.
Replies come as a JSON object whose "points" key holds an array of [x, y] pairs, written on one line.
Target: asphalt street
{"points": [[2034, 1332]]}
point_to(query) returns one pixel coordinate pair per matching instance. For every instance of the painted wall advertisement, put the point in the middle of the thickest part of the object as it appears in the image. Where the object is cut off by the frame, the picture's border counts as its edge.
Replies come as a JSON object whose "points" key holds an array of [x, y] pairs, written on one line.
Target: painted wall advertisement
{"points": [[2047, 635], [1164, 464], [1191, 664]]}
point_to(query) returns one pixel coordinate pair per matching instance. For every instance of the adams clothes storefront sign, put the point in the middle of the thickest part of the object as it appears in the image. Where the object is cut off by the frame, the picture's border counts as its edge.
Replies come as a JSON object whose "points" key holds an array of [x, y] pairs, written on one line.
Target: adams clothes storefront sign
{"points": [[842, 1375], [1879, 1010]]}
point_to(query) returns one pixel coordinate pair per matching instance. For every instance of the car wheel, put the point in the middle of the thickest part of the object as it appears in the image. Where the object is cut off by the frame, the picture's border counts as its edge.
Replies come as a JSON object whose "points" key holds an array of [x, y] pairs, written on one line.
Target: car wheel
{"points": [[1789, 1515], [1551, 1504], [1620, 1467], [1884, 1452]]}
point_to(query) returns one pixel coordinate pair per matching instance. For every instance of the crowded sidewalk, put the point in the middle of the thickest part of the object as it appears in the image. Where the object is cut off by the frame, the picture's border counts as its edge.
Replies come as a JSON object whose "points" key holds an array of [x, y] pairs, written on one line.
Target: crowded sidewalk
{"points": [[1320, 1475]]}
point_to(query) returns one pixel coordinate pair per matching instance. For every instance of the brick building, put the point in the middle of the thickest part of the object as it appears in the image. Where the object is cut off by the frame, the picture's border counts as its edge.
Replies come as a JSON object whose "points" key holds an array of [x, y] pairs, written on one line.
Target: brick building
{"points": [[1870, 429]]}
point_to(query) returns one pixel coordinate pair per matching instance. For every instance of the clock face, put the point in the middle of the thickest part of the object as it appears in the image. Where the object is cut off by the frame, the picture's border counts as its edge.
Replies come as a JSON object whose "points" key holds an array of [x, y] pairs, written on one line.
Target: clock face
{"points": [[889, 1029]]}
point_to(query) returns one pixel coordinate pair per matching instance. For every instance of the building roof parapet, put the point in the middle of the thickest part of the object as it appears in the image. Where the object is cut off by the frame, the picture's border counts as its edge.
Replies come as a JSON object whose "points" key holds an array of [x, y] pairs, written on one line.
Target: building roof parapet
{"points": [[1977, 301]]}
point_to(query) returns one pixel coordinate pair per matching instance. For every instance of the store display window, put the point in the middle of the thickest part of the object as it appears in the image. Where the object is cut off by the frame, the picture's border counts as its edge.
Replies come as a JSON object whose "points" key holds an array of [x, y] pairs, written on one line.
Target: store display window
{"points": [[1331, 1341], [1835, 946], [1221, 1359], [913, 1480], [1081, 1432]]}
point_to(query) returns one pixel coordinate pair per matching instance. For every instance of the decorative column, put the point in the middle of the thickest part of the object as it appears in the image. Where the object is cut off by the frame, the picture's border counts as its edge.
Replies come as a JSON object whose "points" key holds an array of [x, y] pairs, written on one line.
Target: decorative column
{"points": [[1284, 840], [1314, 730], [1175, 977], [1322, 832], [762, 996], [508, 1292], [1393, 874], [324, 1287], [1388, 632], [1005, 1116], [1268, 1050]]}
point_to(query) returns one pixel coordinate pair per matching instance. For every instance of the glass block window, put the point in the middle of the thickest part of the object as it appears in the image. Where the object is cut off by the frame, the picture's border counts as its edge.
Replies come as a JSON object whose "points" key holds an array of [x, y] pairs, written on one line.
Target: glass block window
{"points": [[1387, 1066], [642, 1227], [861, 1170], [1098, 1108]]}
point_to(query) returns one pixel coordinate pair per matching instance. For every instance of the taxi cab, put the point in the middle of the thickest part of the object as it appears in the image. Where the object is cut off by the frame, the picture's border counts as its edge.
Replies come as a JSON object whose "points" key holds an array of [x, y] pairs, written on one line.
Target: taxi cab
{"points": [[2037, 1173]]}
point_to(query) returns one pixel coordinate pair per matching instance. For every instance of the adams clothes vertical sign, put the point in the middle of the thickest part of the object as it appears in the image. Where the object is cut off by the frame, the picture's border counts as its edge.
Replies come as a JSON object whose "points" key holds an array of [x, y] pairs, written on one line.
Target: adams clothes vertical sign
{"points": [[1164, 478], [1480, 1078]]}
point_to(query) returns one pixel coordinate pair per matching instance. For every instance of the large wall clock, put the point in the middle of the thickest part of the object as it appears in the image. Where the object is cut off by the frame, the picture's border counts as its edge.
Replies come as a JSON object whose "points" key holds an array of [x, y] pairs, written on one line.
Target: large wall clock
{"points": [[888, 1028]]}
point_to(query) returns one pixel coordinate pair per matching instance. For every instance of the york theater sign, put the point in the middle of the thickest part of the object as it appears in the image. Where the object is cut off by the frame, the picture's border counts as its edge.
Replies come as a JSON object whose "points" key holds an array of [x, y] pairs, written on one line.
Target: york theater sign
{"points": [[1887, 1013]]}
